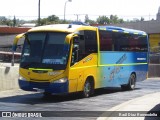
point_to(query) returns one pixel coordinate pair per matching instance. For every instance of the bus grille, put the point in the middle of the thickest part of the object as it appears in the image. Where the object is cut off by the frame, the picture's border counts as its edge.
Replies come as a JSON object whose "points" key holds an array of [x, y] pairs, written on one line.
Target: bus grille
{"points": [[34, 80]]}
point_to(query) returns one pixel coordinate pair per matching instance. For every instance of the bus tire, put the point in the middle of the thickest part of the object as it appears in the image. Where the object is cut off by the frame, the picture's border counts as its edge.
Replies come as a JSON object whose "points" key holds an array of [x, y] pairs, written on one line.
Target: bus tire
{"points": [[88, 88], [131, 84]]}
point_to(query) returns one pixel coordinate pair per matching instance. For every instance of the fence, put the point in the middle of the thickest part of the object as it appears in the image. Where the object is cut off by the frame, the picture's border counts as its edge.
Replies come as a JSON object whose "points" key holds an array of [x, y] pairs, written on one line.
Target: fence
{"points": [[6, 53]]}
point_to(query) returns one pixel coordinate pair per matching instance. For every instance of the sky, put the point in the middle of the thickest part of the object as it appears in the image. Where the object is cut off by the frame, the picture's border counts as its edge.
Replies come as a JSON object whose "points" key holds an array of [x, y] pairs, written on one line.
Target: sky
{"points": [[126, 9]]}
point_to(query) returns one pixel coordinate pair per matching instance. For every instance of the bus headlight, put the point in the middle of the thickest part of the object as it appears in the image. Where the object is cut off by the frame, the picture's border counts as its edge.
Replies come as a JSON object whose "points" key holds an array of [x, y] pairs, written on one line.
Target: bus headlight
{"points": [[21, 78], [62, 80]]}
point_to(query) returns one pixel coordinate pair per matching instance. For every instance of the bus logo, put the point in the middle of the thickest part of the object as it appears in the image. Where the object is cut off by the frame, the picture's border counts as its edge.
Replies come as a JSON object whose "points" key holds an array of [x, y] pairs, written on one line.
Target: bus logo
{"points": [[87, 59]]}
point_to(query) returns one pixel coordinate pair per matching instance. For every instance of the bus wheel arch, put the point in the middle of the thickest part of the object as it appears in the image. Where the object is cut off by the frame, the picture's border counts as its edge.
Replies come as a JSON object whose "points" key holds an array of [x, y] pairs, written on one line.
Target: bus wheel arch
{"points": [[131, 82], [88, 87]]}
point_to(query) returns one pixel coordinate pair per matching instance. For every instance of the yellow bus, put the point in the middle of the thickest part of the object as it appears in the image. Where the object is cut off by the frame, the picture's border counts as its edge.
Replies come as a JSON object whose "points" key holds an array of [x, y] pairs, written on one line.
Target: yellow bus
{"points": [[67, 58]]}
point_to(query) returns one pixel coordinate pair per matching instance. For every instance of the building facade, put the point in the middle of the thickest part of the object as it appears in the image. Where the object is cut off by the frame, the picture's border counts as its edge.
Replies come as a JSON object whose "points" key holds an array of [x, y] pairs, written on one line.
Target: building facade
{"points": [[158, 14]]}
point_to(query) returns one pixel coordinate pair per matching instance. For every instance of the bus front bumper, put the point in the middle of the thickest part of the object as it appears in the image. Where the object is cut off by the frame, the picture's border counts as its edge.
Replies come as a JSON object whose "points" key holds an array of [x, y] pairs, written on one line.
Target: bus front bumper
{"points": [[54, 88]]}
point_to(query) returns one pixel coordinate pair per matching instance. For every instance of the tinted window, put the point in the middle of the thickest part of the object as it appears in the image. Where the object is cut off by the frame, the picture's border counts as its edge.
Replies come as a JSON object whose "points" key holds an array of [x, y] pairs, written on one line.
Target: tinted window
{"points": [[115, 41], [90, 42], [106, 41], [130, 42], [87, 43], [45, 50]]}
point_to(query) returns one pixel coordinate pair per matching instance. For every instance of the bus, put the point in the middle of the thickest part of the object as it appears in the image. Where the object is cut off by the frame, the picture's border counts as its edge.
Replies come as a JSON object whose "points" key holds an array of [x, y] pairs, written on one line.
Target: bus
{"points": [[68, 58]]}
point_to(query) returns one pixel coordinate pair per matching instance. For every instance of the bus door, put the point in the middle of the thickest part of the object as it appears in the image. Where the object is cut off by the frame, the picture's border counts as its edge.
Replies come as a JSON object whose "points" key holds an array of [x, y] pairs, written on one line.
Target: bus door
{"points": [[75, 68], [83, 57]]}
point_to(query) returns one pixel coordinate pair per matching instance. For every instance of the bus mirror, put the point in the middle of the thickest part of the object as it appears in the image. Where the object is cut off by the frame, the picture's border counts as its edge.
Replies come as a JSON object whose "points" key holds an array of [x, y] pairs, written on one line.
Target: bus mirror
{"points": [[69, 37], [67, 40], [14, 47]]}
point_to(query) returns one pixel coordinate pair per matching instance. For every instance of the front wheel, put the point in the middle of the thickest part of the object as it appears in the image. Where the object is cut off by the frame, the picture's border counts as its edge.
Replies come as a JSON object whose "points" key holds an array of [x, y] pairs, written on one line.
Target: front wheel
{"points": [[88, 89], [131, 84]]}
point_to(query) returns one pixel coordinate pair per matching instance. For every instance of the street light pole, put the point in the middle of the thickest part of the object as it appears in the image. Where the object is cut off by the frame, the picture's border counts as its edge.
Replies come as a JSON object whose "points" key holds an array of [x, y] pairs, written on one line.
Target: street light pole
{"points": [[65, 8], [39, 10]]}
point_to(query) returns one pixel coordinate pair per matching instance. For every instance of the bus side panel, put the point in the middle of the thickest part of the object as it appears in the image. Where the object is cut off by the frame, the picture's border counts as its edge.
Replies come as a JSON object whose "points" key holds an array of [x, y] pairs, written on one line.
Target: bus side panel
{"points": [[116, 67]]}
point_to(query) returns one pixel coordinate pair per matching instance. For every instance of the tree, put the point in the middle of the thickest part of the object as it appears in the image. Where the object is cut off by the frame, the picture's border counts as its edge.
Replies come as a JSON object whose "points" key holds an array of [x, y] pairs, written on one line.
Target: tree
{"points": [[53, 18], [88, 21], [103, 20], [43, 21], [142, 18], [14, 21], [113, 19], [121, 21], [3, 20]]}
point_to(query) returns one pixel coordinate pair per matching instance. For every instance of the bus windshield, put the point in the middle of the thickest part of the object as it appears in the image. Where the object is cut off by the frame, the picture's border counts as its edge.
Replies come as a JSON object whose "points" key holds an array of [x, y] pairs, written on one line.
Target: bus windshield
{"points": [[45, 50]]}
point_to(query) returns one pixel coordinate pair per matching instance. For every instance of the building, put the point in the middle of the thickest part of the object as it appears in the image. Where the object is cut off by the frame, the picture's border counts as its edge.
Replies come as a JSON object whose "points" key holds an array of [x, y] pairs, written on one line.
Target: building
{"points": [[158, 14], [7, 34]]}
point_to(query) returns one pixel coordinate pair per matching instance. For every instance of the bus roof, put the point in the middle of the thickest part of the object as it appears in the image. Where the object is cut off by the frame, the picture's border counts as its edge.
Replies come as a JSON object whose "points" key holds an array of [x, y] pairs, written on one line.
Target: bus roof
{"points": [[121, 29], [73, 27], [59, 27]]}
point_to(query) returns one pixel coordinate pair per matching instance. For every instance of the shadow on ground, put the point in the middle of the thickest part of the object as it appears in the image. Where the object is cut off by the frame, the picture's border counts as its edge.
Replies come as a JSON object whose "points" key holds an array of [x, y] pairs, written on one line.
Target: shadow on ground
{"points": [[38, 98]]}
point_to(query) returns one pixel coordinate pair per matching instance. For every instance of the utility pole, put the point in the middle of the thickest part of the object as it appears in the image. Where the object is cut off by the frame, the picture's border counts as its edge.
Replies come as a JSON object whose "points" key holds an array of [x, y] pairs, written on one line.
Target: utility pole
{"points": [[39, 10], [78, 16], [65, 8]]}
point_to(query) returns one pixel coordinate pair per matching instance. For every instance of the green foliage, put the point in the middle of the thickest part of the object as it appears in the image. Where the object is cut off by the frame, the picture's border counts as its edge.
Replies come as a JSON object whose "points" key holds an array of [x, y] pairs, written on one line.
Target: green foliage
{"points": [[103, 20], [112, 20], [89, 21], [53, 19], [3, 20], [14, 21], [8, 22]]}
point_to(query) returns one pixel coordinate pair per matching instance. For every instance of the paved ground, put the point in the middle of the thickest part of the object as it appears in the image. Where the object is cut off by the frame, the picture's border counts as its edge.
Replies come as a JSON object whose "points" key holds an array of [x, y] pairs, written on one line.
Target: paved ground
{"points": [[143, 108], [103, 100]]}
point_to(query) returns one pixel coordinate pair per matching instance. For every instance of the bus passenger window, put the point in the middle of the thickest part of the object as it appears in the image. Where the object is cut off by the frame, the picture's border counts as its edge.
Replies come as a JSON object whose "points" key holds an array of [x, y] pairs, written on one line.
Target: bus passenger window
{"points": [[90, 42], [106, 41]]}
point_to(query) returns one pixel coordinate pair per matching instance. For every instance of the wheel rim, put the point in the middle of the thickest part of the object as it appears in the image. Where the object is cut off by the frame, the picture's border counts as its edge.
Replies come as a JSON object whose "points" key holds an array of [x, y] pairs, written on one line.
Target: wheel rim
{"points": [[87, 89]]}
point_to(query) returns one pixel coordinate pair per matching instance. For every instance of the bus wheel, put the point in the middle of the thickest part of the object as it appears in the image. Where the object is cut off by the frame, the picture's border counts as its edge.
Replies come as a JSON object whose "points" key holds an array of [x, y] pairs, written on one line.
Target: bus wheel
{"points": [[132, 83], [88, 89]]}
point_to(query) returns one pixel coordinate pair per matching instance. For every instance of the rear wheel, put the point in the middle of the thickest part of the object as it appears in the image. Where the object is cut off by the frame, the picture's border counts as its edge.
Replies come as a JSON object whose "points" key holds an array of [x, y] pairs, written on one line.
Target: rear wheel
{"points": [[131, 84], [88, 89]]}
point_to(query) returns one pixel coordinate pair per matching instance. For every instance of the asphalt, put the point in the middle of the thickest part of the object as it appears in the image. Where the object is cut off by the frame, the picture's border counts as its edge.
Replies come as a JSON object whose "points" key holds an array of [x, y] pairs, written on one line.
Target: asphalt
{"points": [[143, 108]]}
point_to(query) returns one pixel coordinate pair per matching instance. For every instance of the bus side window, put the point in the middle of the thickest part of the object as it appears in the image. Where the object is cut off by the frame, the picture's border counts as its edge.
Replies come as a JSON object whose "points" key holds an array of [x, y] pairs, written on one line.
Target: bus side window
{"points": [[90, 42], [106, 41], [87, 44]]}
